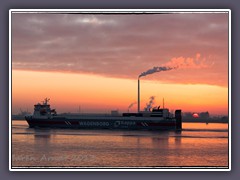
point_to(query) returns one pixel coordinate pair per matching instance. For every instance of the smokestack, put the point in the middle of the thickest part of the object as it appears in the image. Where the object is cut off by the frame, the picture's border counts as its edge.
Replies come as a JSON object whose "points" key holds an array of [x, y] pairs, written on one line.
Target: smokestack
{"points": [[163, 103], [138, 95]]}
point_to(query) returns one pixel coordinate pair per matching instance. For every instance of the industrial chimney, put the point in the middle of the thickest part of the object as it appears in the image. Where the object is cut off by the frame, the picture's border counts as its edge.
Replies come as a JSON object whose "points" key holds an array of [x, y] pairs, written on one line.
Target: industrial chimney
{"points": [[138, 95]]}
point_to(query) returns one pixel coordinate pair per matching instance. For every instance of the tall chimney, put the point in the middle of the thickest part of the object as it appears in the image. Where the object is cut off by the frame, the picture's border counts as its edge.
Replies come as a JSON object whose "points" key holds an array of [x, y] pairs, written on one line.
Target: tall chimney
{"points": [[138, 95]]}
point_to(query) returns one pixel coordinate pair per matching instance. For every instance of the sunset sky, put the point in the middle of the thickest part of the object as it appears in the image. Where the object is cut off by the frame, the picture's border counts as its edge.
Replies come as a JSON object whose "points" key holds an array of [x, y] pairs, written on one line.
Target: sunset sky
{"points": [[94, 60]]}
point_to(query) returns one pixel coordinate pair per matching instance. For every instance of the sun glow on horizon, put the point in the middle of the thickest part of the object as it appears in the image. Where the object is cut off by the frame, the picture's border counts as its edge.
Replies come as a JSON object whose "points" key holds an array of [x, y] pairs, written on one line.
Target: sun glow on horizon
{"points": [[95, 93]]}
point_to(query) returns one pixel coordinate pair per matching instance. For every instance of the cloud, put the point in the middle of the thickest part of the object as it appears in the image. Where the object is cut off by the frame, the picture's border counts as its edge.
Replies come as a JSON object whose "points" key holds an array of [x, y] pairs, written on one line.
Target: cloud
{"points": [[122, 45]]}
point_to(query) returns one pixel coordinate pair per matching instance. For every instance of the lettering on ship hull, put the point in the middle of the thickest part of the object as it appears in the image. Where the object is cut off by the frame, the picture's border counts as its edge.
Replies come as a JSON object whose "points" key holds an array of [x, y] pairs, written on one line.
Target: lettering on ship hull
{"points": [[124, 123], [90, 123]]}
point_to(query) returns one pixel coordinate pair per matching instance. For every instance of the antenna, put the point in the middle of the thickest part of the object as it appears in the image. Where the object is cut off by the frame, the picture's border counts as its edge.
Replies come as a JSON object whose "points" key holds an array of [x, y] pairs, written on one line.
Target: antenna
{"points": [[46, 100]]}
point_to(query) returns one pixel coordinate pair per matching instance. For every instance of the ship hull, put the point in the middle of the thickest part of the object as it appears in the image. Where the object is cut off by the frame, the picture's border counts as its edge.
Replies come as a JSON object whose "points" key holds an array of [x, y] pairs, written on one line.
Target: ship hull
{"points": [[128, 123]]}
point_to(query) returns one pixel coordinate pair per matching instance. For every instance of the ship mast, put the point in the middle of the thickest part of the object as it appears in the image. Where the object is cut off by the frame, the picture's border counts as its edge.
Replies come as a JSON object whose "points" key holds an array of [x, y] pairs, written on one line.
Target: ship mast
{"points": [[46, 100]]}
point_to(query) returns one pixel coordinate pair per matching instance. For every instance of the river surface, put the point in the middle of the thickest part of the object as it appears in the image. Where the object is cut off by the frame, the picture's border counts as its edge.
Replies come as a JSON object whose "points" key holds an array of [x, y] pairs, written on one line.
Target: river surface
{"points": [[197, 145]]}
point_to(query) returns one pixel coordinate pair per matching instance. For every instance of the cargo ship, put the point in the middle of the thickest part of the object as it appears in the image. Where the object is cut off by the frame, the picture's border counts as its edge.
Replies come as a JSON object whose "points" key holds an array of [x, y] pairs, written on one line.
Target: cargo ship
{"points": [[156, 119]]}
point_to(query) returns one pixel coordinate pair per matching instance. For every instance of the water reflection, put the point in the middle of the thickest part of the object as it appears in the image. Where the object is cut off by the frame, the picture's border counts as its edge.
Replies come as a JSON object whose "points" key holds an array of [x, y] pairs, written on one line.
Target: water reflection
{"points": [[190, 147], [178, 138], [42, 142], [42, 137], [160, 140]]}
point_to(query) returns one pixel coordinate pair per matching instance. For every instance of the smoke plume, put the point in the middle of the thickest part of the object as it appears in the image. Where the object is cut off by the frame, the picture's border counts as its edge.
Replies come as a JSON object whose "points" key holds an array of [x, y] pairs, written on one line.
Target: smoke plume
{"points": [[150, 103], [190, 63], [180, 63], [154, 70], [131, 105]]}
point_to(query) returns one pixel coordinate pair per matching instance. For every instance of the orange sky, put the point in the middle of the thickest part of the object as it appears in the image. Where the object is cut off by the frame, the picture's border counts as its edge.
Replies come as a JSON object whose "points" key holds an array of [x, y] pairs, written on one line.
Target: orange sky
{"points": [[94, 60], [103, 94]]}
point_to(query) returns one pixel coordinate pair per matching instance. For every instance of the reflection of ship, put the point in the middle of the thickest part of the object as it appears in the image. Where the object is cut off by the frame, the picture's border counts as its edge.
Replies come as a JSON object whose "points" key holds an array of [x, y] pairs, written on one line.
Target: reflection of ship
{"points": [[44, 116]]}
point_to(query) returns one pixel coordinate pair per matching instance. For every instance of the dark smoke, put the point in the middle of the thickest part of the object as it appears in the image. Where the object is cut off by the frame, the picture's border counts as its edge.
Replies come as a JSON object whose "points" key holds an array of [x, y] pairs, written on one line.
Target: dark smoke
{"points": [[154, 70], [150, 103], [131, 105]]}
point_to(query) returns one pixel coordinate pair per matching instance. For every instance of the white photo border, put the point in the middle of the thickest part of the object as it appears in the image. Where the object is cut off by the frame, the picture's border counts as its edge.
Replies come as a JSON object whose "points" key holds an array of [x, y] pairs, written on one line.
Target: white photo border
{"points": [[127, 11]]}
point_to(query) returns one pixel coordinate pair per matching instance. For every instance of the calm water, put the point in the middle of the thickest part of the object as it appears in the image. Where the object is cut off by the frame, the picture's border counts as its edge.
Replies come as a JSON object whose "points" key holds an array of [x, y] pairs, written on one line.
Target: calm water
{"points": [[199, 144]]}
